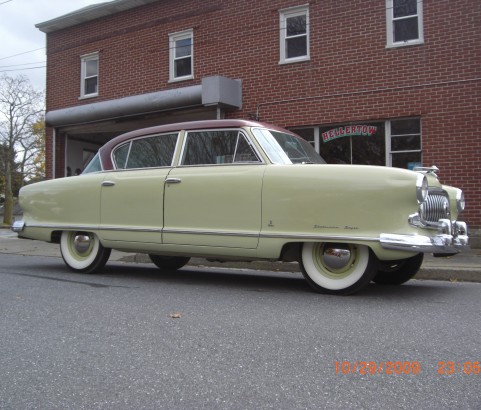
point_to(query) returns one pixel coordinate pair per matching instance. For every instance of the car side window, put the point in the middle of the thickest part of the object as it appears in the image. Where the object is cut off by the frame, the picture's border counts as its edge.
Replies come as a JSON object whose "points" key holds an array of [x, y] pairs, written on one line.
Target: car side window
{"points": [[94, 165], [149, 152], [218, 147], [120, 155]]}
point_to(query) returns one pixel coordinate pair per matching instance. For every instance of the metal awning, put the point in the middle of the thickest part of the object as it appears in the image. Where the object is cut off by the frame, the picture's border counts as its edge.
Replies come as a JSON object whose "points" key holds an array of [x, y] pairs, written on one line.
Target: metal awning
{"points": [[217, 90]]}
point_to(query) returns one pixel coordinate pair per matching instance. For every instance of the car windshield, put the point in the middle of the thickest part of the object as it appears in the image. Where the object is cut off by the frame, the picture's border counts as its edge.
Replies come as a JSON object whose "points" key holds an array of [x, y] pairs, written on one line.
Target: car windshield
{"points": [[283, 148]]}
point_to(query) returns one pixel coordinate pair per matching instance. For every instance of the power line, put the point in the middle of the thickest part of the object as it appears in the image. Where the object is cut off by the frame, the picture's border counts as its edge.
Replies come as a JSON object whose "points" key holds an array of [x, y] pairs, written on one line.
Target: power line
{"points": [[19, 65], [8, 1], [25, 52], [22, 69]]}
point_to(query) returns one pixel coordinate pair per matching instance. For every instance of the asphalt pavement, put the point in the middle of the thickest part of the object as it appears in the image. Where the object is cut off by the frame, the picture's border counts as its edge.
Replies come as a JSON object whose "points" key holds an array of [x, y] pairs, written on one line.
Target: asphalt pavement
{"points": [[222, 339], [463, 267]]}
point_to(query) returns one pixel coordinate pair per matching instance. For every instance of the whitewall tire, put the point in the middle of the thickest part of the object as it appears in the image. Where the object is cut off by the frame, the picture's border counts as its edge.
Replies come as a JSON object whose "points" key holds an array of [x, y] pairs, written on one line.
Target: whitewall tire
{"points": [[83, 252], [337, 268]]}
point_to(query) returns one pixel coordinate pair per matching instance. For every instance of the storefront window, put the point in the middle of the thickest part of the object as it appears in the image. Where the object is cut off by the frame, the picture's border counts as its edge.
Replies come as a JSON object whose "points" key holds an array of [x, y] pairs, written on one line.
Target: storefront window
{"points": [[353, 144], [394, 143], [338, 152]]}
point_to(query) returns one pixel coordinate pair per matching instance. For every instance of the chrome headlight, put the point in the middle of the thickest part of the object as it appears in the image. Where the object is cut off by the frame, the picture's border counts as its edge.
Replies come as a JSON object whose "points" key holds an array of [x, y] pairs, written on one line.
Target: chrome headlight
{"points": [[460, 203], [421, 188]]}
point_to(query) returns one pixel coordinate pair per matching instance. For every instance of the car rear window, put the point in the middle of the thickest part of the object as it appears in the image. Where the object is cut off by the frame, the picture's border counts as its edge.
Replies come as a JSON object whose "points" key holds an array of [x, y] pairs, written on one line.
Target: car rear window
{"points": [[148, 152]]}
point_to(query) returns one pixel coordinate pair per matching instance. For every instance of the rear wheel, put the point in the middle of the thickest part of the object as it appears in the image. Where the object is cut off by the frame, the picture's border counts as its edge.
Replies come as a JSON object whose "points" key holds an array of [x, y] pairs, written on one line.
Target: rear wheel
{"points": [[337, 268], [398, 272], [83, 252], [169, 262]]}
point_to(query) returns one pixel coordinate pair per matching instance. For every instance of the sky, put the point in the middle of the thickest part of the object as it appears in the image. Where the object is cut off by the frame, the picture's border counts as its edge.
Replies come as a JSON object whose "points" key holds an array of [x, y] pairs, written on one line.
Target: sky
{"points": [[22, 45]]}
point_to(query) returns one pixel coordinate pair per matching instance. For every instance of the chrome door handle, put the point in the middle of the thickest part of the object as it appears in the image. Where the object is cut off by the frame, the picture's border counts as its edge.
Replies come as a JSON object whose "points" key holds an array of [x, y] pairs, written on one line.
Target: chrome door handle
{"points": [[173, 181], [108, 183]]}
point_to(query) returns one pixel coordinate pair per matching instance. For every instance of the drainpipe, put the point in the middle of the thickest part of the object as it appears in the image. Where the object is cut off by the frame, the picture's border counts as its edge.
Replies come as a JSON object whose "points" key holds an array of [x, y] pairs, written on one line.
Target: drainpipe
{"points": [[54, 143]]}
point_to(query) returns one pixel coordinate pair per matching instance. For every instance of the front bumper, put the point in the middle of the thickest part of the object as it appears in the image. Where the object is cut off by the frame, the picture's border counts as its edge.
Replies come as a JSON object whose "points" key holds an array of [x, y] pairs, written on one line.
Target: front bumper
{"points": [[452, 237]]}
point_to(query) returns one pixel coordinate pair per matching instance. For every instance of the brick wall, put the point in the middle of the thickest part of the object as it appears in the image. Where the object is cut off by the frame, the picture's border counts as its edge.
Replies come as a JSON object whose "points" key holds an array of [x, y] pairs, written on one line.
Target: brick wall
{"points": [[351, 75]]}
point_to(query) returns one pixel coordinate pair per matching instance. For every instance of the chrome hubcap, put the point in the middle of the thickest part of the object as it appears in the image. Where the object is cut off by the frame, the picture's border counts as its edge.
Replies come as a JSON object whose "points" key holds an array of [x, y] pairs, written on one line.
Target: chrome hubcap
{"points": [[81, 243], [336, 256]]}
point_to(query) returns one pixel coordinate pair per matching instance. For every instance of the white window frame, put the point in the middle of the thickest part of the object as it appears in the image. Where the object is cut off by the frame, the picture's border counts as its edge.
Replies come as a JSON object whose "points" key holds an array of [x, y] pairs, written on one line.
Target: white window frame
{"points": [[390, 25], [389, 136], [83, 74], [283, 16], [173, 38]]}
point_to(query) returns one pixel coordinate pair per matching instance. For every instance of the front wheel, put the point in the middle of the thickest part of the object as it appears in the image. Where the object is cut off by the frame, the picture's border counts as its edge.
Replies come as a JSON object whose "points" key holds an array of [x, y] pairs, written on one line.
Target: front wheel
{"points": [[398, 272], [336, 268], [82, 251], [169, 262]]}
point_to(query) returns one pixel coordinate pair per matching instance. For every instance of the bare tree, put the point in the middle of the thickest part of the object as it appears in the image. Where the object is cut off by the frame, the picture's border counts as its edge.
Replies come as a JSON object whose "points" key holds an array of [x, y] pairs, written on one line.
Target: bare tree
{"points": [[31, 154], [21, 106]]}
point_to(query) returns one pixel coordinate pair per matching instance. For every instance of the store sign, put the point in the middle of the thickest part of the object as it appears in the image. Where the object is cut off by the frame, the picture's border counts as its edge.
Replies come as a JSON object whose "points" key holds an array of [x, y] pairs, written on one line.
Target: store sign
{"points": [[349, 131]]}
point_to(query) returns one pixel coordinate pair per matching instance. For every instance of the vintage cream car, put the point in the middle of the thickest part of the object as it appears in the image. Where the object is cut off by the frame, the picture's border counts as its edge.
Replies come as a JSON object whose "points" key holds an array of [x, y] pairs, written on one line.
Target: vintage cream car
{"points": [[243, 190]]}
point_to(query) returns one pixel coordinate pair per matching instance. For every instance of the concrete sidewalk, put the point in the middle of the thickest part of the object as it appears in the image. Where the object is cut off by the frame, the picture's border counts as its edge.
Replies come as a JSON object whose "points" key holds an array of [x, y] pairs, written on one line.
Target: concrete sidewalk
{"points": [[465, 266]]}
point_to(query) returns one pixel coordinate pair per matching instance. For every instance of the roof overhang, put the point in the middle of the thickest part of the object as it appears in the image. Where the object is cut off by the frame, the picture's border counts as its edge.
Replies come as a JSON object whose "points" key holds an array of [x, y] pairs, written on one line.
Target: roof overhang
{"points": [[220, 91], [90, 13]]}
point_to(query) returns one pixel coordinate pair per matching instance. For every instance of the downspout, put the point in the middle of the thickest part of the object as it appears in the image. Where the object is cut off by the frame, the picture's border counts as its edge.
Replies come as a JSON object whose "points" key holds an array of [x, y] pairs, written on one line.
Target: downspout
{"points": [[65, 150], [54, 143]]}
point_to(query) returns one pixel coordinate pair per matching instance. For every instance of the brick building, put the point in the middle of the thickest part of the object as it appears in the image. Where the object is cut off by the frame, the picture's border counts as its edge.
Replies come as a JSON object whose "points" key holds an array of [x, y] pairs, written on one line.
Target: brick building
{"points": [[385, 82]]}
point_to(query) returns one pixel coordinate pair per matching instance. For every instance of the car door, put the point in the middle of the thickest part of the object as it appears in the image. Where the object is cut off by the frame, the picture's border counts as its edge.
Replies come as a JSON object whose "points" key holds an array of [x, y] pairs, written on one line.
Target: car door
{"points": [[214, 198], [132, 196], [131, 205]]}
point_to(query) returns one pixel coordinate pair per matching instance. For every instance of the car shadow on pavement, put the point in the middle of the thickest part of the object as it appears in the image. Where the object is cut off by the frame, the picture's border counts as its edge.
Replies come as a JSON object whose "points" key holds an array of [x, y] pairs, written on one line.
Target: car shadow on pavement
{"points": [[217, 277], [130, 275], [265, 281]]}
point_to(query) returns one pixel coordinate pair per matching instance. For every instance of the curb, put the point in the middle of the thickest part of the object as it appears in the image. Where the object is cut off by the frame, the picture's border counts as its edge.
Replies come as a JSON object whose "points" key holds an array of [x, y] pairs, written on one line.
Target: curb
{"points": [[458, 275]]}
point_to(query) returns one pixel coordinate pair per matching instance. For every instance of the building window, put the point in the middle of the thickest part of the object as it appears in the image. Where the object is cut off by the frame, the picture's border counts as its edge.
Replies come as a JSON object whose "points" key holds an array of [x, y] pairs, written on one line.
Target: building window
{"points": [[89, 86], [404, 143], [394, 143], [404, 22], [362, 144], [294, 35], [181, 56]]}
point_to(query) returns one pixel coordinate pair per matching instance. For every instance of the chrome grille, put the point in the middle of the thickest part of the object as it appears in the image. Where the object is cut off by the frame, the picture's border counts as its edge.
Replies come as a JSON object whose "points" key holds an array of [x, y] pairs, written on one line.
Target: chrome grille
{"points": [[435, 207]]}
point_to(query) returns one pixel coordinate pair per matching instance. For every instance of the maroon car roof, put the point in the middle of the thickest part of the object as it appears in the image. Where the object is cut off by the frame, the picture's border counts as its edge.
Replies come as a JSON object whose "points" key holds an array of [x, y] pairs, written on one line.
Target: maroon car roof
{"points": [[161, 129]]}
